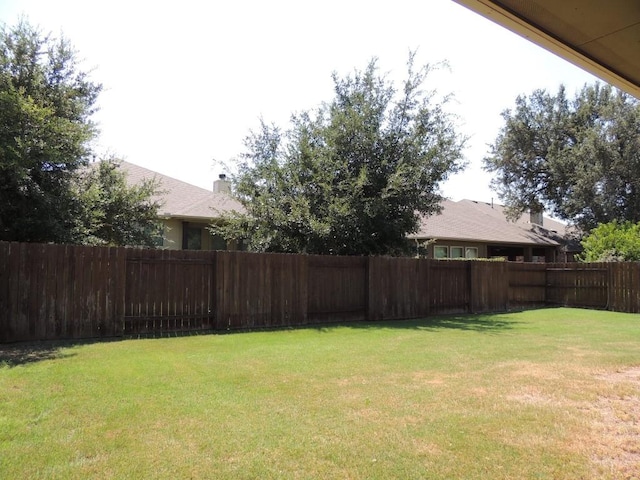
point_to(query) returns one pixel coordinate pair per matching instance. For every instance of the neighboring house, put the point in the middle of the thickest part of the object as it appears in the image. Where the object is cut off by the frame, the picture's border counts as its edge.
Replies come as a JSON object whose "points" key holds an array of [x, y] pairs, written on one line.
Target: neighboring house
{"points": [[470, 229], [464, 229], [187, 210]]}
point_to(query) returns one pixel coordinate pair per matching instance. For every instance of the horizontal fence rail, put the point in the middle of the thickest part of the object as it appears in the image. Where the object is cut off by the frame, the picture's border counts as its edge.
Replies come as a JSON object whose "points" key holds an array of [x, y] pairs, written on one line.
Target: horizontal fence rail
{"points": [[52, 292]]}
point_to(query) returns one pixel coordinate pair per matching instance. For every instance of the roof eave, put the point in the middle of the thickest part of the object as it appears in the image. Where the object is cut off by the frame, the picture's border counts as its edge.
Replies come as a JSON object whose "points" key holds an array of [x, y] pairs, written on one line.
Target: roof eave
{"points": [[165, 216], [550, 243], [521, 26]]}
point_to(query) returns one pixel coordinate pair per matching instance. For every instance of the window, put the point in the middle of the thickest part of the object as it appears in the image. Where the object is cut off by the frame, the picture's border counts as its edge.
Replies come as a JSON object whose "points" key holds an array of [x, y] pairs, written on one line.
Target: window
{"points": [[158, 235], [471, 252], [440, 251], [456, 252], [191, 237]]}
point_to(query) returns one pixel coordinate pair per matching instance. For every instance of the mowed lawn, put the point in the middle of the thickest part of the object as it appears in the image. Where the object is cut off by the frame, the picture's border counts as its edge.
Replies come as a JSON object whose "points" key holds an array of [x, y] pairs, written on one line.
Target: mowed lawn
{"points": [[544, 394]]}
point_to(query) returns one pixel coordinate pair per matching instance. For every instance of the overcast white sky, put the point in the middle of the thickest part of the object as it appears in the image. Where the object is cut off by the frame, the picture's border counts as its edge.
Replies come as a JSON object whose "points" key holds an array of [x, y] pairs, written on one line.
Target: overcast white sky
{"points": [[184, 82]]}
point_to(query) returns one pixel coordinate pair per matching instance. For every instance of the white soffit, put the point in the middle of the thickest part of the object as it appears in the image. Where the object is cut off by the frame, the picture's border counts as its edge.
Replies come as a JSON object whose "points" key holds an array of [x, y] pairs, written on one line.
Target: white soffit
{"points": [[602, 37]]}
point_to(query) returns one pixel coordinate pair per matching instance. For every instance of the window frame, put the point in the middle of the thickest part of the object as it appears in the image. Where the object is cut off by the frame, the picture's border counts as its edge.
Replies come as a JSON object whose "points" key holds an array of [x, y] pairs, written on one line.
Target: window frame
{"points": [[470, 249], [437, 247]]}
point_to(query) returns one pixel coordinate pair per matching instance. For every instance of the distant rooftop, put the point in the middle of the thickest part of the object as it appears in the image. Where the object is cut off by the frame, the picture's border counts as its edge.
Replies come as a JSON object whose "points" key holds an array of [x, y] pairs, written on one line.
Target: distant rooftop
{"points": [[181, 199], [470, 220]]}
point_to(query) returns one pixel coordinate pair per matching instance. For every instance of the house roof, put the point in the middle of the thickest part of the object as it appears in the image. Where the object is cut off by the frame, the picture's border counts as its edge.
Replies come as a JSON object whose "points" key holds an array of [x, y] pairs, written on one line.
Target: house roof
{"points": [[468, 220], [181, 199]]}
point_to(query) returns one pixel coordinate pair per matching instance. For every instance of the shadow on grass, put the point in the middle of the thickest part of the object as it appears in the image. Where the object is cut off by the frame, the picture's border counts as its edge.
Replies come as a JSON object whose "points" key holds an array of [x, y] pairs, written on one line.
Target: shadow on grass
{"points": [[471, 322], [13, 355], [489, 322], [476, 323]]}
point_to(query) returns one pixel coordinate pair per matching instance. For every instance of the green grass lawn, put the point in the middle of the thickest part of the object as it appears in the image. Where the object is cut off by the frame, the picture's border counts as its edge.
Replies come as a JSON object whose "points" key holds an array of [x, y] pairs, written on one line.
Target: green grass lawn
{"points": [[545, 394]]}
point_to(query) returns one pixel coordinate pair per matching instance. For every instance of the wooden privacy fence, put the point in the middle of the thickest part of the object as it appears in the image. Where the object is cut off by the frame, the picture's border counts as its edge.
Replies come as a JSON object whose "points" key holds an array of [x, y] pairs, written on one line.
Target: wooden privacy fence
{"points": [[67, 292]]}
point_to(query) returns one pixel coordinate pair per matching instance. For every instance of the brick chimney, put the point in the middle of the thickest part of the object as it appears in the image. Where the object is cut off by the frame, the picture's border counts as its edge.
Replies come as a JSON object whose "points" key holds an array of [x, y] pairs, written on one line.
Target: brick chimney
{"points": [[222, 185], [535, 217]]}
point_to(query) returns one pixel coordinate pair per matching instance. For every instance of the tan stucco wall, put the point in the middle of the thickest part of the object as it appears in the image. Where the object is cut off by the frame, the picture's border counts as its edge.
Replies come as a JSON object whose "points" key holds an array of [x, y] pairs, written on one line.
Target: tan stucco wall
{"points": [[173, 235]]}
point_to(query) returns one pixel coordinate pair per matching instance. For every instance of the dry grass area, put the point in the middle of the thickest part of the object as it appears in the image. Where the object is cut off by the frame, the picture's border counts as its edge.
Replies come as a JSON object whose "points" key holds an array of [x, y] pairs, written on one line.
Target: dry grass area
{"points": [[612, 420], [616, 426]]}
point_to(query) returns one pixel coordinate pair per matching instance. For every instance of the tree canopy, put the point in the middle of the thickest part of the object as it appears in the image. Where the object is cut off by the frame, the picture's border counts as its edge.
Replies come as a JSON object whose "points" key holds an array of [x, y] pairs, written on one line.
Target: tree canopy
{"points": [[113, 212], [46, 134], [579, 159], [611, 242], [352, 176], [45, 131]]}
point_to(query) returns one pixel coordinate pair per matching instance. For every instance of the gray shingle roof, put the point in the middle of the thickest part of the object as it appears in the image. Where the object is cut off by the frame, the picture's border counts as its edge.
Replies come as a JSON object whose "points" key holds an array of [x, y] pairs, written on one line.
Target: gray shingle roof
{"points": [[479, 221], [181, 199], [465, 220]]}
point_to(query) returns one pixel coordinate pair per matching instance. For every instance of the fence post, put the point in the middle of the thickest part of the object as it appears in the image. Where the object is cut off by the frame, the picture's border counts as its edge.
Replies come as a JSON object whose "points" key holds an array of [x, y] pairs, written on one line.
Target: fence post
{"points": [[609, 284], [547, 266], [4, 292], [222, 259], [470, 279], [120, 280], [427, 290], [373, 286], [303, 308]]}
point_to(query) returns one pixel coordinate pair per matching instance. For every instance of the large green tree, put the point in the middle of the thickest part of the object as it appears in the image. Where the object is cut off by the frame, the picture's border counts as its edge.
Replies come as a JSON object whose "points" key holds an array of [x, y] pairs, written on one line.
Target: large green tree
{"points": [[112, 211], [46, 102], [579, 158], [351, 177]]}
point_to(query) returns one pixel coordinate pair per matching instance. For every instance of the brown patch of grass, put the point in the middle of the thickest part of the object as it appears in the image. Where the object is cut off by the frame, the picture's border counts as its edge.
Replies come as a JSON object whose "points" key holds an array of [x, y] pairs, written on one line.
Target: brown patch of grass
{"points": [[612, 420], [534, 398], [537, 371], [427, 449], [422, 377], [629, 375], [616, 427]]}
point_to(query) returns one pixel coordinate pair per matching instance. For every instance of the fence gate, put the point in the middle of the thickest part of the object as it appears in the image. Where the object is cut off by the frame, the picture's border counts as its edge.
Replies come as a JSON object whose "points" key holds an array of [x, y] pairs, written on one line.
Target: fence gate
{"points": [[169, 291]]}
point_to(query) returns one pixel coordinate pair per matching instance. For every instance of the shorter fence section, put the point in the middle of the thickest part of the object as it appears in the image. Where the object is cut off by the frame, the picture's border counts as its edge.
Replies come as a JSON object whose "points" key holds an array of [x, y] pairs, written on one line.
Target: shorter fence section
{"points": [[65, 292]]}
